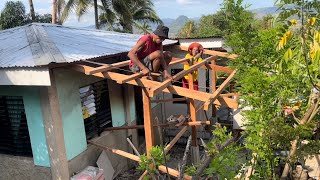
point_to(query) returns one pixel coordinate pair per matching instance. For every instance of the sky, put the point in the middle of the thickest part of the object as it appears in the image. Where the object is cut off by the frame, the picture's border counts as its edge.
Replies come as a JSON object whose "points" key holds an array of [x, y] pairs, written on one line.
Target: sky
{"points": [[164, 8]]}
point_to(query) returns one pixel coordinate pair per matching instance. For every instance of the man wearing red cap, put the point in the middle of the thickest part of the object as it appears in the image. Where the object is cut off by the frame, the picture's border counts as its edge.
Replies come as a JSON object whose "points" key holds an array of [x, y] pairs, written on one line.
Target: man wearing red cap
{"points": [[148, 56]]}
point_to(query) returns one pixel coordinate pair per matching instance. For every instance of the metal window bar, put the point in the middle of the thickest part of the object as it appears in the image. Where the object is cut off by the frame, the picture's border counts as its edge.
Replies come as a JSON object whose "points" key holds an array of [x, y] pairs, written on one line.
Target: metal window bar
{"points": [[14, 133]]}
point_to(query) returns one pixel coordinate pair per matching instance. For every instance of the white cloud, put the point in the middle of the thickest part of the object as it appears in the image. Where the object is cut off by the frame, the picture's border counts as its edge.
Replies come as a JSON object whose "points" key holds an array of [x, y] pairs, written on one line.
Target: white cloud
{"points": [[184, 2]]}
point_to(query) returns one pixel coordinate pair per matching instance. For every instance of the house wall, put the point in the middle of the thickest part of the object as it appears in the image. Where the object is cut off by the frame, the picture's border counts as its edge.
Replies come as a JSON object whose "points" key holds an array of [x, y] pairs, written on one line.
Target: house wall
{"points": [[31, 99], [79, 153], [205, 42]]}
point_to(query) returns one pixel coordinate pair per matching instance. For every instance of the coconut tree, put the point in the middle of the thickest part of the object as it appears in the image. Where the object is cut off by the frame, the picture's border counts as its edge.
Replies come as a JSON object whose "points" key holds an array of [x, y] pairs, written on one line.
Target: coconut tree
{"points": [[33, 16], [80, 7], [128, 14]]}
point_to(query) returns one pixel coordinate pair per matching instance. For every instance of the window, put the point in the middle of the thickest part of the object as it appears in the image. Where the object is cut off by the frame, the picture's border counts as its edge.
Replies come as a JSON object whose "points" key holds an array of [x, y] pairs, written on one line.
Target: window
{"points": [[14, 133], [96, 108]]}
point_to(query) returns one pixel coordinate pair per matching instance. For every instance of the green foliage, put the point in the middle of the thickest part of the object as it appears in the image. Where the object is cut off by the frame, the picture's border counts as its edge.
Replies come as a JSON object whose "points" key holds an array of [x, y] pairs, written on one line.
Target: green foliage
{"points": [[209, 25], [147, 164], [227, 162], [275, 66], [13, 14], [188, 30], [191, 170]]}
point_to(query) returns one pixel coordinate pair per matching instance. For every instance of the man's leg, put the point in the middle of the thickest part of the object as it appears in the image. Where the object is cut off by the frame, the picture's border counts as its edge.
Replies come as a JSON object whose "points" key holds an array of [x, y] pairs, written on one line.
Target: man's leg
{"points": [[157, 57]]}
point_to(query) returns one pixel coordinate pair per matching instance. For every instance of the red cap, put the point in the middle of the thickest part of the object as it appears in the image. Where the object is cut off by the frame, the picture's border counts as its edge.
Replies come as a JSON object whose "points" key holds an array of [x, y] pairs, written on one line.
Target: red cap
{"points": [[193, 45]]}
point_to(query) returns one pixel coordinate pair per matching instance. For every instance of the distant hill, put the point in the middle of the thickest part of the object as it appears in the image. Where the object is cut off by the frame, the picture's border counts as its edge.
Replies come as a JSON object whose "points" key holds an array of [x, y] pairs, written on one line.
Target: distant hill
{"points": [[176, 24], [260, 12]]}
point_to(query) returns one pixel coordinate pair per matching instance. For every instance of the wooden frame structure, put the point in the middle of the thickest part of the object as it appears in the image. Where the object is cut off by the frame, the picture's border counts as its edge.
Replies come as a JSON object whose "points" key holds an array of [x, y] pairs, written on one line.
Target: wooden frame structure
{"points": [[151, 88]]}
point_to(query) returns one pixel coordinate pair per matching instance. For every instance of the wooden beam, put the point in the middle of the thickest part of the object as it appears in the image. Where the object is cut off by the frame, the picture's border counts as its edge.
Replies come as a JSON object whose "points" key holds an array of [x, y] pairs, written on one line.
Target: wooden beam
{"points": [[107, 67], [162, 168], [198, 95], [148, 122], [219, 90], [130, 77], [166, 83], [198, 123], [178, 61], [116, 151], [173, 172], [222, 69], [230, 94], [175, 139], [210, 52], [169, 100]]}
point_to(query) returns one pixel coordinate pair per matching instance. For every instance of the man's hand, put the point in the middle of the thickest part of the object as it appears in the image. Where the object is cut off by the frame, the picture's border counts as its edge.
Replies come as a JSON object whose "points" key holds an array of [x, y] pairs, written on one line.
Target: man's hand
{"points": [[145, 71], [166, 75]]}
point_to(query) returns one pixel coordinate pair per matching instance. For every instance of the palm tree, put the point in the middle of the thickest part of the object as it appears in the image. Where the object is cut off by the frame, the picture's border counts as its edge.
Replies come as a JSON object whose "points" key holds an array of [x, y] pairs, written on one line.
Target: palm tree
{"points": [[187, 30], [33, 16], [54, 11], [128, 14], [80, 7]]}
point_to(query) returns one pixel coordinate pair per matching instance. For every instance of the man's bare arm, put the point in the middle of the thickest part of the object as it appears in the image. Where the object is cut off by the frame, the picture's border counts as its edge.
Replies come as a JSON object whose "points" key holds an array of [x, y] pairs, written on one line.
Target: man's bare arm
{"points": [[133, 54]]}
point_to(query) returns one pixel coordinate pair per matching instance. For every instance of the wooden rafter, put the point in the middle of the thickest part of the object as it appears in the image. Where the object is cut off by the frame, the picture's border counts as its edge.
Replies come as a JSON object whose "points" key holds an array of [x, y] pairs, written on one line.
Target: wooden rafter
{"points": [[210, 52], [178, 61], [131, 77], [216, 93], [175, 139], [189, 93], [169, 100], [106, 67], [222, 69], [155, 90]]}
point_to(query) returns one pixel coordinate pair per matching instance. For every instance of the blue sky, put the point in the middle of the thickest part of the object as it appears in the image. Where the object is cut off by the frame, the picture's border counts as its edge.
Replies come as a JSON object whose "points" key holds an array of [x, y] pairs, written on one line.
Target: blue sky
{"points": [[164, 8]]}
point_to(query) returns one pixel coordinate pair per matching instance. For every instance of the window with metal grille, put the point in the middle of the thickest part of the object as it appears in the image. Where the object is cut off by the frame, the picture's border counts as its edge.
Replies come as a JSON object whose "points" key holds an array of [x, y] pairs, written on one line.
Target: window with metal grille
{"points": [[96, 108], [14, 133]]}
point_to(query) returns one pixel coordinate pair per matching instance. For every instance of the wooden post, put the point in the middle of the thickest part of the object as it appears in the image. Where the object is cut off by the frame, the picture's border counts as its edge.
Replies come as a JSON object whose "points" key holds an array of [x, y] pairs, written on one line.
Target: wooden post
{"points": [[214, 88], [148, 123], [54, 131], [193, 115]]}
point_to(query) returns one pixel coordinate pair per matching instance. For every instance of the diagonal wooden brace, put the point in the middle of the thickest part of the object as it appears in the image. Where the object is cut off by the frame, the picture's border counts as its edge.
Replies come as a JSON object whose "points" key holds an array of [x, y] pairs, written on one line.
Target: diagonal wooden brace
{"points": [[155, 90], [216, 93], [107, 67]]}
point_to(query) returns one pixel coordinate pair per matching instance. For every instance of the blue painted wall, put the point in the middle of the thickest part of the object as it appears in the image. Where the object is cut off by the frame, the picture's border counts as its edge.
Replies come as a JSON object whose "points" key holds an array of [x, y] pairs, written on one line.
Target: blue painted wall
{"points": [[117, 104], [68, 85], [32, 105]]}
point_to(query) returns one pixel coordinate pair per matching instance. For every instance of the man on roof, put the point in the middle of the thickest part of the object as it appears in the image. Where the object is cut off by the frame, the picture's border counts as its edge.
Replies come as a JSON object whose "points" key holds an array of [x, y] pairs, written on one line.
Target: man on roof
{"points": [[147, 55]]}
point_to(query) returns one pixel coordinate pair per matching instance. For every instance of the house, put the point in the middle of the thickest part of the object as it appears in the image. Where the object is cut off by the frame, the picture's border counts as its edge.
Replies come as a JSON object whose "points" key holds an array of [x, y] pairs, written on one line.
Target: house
{"points": [[48, 112], [63, 87], [212, 42]]}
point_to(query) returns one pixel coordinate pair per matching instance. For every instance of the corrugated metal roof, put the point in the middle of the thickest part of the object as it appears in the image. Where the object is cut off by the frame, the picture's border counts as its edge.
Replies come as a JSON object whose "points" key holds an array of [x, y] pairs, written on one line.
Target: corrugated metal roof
{"points": [[41, 44]]}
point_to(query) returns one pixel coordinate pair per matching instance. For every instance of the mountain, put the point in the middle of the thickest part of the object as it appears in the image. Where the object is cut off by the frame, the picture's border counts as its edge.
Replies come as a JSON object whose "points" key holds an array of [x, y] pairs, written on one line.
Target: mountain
{"points": [[176, 25], [260, 12]]}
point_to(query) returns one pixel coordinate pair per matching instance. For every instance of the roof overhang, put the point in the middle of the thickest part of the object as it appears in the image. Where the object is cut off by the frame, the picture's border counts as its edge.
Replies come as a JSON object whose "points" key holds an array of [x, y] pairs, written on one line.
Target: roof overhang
{"points": [[21, 76]]}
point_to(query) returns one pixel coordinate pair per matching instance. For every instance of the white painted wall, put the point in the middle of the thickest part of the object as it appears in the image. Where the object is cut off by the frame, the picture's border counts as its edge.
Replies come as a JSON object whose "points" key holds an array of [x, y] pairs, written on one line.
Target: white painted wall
{"points": [[205, 42], [38, 76]]}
